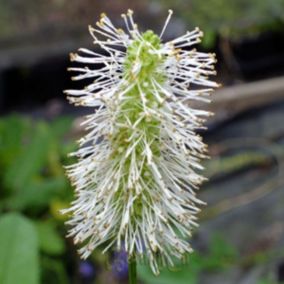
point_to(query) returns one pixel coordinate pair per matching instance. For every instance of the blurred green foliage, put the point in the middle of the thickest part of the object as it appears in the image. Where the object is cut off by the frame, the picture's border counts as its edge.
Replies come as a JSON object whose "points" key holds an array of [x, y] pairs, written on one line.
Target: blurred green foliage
{"points": [[32, 238], [267, 281], [235, 162], [31, 161], [220, 255], [229, 18]]}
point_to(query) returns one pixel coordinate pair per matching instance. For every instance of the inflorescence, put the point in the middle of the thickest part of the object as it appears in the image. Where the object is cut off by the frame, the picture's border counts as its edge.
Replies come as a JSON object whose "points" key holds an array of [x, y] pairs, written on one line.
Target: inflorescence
{"points": [[137, 168]]}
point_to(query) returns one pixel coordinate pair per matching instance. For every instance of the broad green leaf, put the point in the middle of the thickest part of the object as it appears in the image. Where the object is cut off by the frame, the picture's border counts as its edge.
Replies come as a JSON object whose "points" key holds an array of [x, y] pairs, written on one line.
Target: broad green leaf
{"points": [[19, 262], [50, 241]]}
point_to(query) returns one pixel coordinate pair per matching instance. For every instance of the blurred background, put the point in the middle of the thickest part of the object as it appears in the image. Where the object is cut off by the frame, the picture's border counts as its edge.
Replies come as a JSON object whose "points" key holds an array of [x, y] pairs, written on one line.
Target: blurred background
{"points": [[241, 237]]}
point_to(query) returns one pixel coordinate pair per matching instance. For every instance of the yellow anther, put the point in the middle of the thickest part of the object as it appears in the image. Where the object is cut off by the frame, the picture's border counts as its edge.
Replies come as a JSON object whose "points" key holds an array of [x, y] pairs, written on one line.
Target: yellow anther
{"points": [[73, 56]]}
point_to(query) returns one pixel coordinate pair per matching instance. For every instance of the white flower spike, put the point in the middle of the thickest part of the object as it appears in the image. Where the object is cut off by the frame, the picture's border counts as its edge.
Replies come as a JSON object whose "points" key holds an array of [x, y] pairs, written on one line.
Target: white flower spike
{"points": [[136, 173]]}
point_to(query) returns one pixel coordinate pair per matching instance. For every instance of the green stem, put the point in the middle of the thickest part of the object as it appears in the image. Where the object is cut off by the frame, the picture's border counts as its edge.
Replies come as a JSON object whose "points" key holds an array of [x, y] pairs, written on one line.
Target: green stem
{"points": [[132, 271]]}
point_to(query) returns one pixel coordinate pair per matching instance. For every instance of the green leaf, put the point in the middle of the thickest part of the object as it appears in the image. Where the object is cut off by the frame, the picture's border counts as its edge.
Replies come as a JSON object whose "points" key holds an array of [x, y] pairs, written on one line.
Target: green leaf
{"points": [[30, 161], [19, 262], [61, 130], [182, 274], [38, 194], [12, 130], [50, 241], [209, 39]]}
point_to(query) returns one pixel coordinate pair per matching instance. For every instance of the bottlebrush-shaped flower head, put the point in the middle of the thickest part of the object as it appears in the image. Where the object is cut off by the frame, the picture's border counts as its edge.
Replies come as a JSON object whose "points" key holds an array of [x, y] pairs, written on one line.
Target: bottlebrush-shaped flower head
{"points": [[137, 168]]}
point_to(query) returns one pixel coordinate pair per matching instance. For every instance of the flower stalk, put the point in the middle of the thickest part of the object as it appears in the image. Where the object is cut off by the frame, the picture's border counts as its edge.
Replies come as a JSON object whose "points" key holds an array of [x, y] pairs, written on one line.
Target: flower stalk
{"points": [[132, 271]]}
